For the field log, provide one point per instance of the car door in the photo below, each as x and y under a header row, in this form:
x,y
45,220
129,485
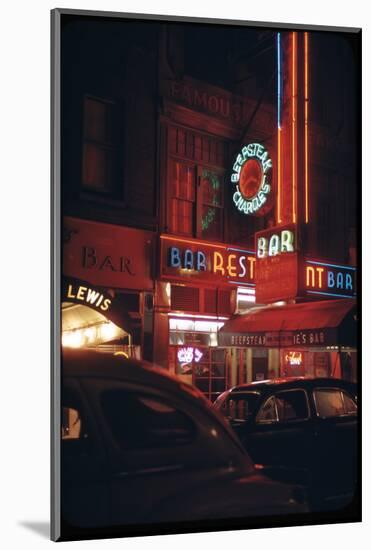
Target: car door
x,y
158,448
238,408
84,481
281,432
335,439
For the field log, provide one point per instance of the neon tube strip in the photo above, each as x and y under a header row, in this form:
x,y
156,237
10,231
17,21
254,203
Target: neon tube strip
x,y
293,123
306,140
331,265
279,86
330,294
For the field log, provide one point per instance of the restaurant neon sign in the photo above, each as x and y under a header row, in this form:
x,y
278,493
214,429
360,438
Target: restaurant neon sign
x,y
251,176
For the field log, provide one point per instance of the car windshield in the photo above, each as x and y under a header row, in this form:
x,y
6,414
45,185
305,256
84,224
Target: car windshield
x,y
240,406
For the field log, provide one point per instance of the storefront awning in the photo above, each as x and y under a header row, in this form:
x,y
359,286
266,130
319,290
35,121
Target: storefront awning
x,y
322,323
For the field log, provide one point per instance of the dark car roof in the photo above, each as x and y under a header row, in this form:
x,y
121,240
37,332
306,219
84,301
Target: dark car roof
x,y
87,363
264,386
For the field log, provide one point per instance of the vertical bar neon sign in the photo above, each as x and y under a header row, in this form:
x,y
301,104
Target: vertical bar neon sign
x,y
279,100
293,123
306,143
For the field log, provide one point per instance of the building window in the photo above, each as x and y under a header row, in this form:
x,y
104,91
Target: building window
x,y
212,207
196,210
183,198
100,170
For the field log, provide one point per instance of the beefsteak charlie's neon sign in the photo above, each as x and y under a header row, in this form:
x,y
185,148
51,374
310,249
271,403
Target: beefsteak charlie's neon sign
x,y
251,176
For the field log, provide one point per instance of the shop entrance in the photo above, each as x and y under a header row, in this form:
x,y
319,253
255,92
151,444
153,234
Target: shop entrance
x,y
83,327
202,366
259,364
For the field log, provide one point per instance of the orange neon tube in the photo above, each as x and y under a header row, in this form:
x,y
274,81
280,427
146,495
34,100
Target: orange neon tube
x,y
279,176
306,137
189,241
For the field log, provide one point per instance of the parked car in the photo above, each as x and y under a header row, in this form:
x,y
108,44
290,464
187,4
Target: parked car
x,y
306,427
138,445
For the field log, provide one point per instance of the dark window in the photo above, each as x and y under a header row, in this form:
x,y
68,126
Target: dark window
x,y
195,210
333,402
100,170
349,404
185,298
240,407
212,207
183,198
76,443
292,405
71,423
268,412
141,421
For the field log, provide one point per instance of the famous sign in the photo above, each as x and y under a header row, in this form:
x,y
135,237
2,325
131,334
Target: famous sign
x,y
251,177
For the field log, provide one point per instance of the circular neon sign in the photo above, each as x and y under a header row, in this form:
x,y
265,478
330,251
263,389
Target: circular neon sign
x,y
251,171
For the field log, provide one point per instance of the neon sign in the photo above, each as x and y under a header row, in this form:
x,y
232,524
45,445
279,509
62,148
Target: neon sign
x,y
329,279
276,244
89,296
231,265
294,358
250,174
189,354
201,261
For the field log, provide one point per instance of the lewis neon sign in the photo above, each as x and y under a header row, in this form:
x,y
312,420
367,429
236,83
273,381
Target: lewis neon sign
x,y
251,176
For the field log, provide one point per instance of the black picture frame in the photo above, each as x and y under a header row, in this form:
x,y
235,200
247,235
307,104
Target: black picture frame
x,y
94,200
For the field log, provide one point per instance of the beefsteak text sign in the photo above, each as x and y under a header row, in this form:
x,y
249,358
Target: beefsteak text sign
x,y
250,175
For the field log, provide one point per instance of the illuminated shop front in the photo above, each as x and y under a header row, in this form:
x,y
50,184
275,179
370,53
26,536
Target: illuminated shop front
x,y
204,284
107,289
313,339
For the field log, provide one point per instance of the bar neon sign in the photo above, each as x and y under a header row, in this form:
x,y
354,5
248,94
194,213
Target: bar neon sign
x,y
294,358
330,279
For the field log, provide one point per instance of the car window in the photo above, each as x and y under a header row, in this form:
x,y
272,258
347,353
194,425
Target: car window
x,y
71,423
240,407
267,412
292,405
349,404
140,421
331,402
